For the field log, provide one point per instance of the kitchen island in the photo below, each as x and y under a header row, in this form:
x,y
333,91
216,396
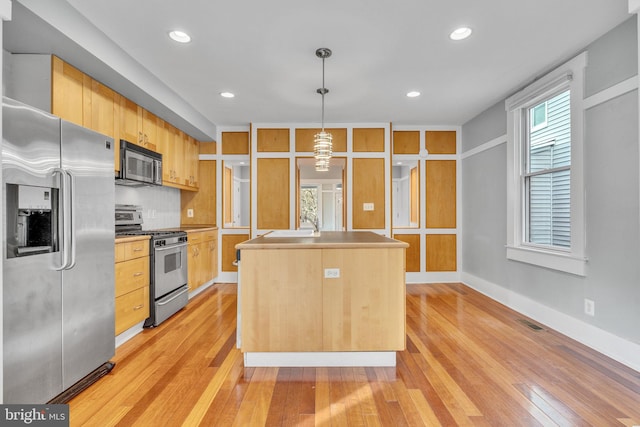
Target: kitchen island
x,y
326,299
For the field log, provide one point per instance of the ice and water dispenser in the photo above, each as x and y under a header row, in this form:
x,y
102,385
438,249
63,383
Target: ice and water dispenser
x,y
31,220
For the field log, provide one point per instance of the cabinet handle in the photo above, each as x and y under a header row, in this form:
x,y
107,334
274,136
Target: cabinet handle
x,y
137,274
137,249
138,307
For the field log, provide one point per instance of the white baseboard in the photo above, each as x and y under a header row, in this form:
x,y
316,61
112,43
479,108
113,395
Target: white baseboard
x,y
433,277
128,334
321,359
619,349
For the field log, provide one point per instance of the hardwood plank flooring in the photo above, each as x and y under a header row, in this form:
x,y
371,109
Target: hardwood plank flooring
x,y
469,361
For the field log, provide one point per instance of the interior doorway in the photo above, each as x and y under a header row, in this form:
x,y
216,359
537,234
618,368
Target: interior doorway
x,y
319,195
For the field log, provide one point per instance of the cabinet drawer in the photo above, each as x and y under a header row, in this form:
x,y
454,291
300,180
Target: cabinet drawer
x,y
194,237
131,250
131,308
131,275
210,235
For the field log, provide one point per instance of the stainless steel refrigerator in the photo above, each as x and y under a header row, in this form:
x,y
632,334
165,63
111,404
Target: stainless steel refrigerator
x,y
58,258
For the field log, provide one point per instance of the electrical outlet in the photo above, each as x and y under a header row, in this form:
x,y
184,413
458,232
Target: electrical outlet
x,y
367,206
190,213
331,273
589,307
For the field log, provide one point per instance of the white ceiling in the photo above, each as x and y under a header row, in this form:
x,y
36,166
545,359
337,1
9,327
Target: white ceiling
x,y
264,52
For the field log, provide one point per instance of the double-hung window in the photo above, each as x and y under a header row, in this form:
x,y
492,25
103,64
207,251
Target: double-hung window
x,y
545,198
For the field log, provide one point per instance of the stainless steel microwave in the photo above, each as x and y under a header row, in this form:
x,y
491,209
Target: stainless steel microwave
x,y
138,165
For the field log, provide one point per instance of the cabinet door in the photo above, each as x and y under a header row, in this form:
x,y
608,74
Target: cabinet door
x,y
203,201
364,308
191,148
166,147
130,121
103,114
281,298
178,157
149,130
192,265
68,91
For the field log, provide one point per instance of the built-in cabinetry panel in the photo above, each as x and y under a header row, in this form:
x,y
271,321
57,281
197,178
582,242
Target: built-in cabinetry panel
x,y
229,242
273,193
441,252
441,193
412,252
431,198
305,139
235,142
273,140
368,193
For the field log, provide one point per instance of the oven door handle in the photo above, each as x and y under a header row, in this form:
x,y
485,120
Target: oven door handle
x,y
166,248
173,297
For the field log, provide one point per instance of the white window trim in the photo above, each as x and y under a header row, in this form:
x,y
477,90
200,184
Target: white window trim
x,y
567,76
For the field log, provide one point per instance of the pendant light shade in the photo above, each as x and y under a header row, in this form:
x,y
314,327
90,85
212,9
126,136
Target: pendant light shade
x,y
322,143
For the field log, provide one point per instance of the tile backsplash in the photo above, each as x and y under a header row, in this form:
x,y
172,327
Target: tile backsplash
x,y
161,205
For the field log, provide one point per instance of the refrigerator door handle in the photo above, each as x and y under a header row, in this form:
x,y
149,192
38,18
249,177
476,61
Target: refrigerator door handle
x,y
62,218
66,215
72,222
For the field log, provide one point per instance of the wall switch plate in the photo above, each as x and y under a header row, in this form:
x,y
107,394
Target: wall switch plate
x,y
190,213
367,206
589,307
331,273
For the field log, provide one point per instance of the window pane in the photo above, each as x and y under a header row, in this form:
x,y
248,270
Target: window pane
x,y
538,115
309,206
550,146
549,209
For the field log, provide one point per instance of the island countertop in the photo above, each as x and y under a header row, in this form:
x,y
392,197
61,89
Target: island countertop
x,y
323,240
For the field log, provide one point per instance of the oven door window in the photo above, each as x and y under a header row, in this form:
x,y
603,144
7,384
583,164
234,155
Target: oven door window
x,y
172,262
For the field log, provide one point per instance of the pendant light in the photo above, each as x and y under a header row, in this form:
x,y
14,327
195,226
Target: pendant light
x,y
322,145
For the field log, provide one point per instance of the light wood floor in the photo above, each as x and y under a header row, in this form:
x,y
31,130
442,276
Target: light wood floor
x,y
469,361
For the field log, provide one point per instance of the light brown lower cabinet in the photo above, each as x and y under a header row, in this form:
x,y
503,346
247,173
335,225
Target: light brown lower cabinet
x,y
132,283
202,257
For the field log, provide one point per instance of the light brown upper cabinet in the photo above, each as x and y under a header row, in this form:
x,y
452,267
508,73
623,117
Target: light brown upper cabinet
x,y
368,194
149,130
273,140
202,203
105,109
273,194
130,121
406,142
305,139
68,85
368,140
235,142
440,141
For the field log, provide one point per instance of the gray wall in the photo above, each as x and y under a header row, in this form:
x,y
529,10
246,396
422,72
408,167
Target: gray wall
x,y
612,201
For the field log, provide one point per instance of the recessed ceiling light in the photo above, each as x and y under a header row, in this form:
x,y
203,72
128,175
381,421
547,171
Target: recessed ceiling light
x,y
227,94
413,94
460,33
180,36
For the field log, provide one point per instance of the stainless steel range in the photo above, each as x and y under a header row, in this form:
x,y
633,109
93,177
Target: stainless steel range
x,y
168,290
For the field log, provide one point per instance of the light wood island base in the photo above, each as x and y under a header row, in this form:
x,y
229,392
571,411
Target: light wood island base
x,y
337,299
